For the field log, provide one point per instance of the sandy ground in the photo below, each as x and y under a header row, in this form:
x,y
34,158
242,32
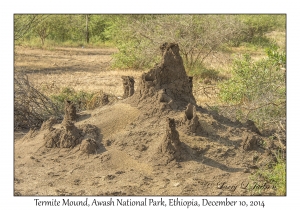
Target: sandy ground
x,y
78,68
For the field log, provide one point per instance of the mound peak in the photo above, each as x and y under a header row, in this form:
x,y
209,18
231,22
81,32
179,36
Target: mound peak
x,y
170,146
166,86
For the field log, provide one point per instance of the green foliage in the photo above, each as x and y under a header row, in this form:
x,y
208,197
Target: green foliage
x,y
80,99
259,42
256,26
275,175
61,28
257,87
279,58
138,37
46,27
23,25
132,52
197,35
98,27
130,55
199,70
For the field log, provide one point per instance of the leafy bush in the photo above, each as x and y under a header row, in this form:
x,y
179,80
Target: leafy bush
x,y
80,98
138,37
256,26
203,72
59,28
257,88
130,55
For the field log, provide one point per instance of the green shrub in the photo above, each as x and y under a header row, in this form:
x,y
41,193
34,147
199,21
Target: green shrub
x,y
138,37
66,30
259,42
80,98
203,72
257,87
258,25
132,54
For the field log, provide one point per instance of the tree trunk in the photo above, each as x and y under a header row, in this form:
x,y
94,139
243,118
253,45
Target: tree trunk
x,y
87,36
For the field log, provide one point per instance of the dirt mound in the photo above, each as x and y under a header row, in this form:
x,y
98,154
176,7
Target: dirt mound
x,y
48,124
70,111
251,141
69,136
128,86
166,86
31,134
170,146
89,131
89,146
66,137
190,121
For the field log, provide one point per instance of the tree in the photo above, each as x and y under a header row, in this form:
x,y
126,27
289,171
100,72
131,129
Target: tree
x,y
258,25
43,30
23,24
87,37
139,36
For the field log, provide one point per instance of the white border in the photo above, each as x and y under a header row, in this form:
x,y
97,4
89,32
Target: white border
x,y
8,201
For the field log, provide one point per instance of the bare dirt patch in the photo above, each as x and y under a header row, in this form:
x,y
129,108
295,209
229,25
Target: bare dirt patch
x,y
156,142
77,68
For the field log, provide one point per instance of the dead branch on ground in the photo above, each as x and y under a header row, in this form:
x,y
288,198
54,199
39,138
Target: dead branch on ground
x,y
31,107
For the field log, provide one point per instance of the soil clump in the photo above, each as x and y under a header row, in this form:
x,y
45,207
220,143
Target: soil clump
x,y
70,111
48,124
89,146
128,86
170,146
69,135
190,120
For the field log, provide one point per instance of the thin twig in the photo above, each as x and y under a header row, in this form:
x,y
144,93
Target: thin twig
x,y
282,126
280,142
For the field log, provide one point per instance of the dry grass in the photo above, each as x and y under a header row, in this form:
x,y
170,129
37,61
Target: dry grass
x,y
279,37
79,68
109,82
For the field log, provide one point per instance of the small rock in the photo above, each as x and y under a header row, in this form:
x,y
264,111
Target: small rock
x,y
77,181
141,147
109,177
176,184
120,172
